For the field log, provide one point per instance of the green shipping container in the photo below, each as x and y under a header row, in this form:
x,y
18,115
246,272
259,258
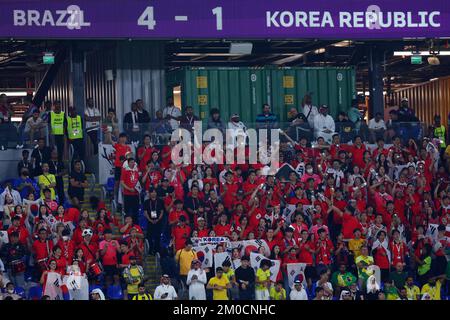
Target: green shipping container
x,y
245,90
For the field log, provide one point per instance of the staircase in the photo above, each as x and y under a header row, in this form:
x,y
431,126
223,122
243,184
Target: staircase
x,y
151,268
152,273
95,189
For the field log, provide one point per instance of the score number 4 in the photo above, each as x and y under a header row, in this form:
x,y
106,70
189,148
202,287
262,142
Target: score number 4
x,y
147,18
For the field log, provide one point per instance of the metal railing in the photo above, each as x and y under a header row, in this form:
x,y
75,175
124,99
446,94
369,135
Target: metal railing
x,y
161,132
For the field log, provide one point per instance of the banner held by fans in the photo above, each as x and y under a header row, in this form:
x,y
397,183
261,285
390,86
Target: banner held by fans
x,y
205,255
255,261
294,271
220,258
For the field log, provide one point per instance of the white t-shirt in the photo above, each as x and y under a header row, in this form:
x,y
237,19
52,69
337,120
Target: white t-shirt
x,y
92,112
377,125
162,289
310,112
174,112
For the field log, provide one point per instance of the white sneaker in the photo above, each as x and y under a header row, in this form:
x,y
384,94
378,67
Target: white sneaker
x,y
19,146
3,148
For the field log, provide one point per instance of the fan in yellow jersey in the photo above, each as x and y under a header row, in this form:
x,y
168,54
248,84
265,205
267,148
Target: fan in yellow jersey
x,y
142,295
277,292
432,288
263,280
220,285
412,291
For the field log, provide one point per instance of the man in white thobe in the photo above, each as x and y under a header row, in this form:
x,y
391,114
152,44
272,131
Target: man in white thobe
x,y
196,280
324,124
165,291
298,292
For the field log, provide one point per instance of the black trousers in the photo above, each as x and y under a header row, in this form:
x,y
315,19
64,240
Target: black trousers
x,y
59,142
60,189
131,207
154,236
93,135
8,132
78,149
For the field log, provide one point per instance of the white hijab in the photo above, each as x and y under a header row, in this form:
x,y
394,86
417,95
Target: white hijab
x,y
372,284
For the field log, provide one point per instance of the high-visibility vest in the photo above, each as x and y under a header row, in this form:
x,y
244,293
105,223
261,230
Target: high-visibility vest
x,y
439,132
74,128
57,123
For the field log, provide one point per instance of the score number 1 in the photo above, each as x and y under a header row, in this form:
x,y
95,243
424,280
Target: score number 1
x,y
218,13
147,18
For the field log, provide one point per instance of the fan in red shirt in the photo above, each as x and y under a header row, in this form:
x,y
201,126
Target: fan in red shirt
x,y
89,247
349,221
72,214
144,153
273,238
324,249
128,225
382,255
121,150
306,249
290,257
129,180
223,228
20,229
357,152
180,233
379,150
299,224
136,244
42,248
61,261
177,213
202,229
228,190
67,245
398,249
255,214
250,184
288,240
151,176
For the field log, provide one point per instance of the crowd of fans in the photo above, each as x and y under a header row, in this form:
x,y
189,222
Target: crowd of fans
x,y
369,221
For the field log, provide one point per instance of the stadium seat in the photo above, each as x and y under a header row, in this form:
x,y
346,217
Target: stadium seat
x,y
109,186
143,222
107,191
21,292
35,293
115,292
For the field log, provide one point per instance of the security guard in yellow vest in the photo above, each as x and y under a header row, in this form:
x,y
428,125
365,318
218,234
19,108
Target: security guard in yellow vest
x,y
439,131
56,123
75,133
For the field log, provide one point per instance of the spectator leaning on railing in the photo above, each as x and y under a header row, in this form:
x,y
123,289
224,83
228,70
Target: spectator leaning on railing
x,y
266,119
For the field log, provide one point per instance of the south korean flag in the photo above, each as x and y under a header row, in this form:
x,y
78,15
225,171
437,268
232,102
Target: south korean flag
x,y
205,255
